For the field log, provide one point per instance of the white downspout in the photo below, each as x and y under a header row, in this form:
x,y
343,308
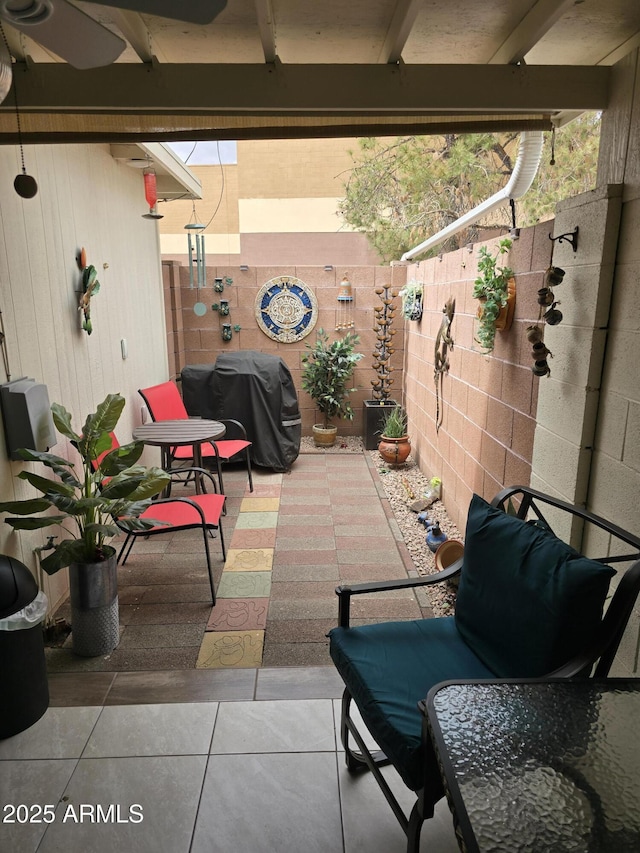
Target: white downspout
x,y
524,171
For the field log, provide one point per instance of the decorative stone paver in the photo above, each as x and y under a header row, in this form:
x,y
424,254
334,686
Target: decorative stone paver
x,y
244,585
265,538
260,504
249,560
256,520
239,614
232,649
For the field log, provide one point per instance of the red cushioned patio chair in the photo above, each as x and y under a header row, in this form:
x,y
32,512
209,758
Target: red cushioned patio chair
x,y
165,403
173,514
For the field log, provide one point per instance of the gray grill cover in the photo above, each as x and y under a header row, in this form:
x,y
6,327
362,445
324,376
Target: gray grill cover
x,y
255,389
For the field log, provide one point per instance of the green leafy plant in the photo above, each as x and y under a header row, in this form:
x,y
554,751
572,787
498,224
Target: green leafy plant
x,y
394,423
109,486
328,368
491,287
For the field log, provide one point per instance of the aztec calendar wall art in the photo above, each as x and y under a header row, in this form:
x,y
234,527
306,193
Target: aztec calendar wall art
x,y
286,309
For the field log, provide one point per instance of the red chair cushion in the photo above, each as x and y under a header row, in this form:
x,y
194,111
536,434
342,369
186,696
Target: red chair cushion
x,y
227,448
178,514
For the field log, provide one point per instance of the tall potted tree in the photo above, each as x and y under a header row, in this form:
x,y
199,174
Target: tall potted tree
x,y
108,486
327,371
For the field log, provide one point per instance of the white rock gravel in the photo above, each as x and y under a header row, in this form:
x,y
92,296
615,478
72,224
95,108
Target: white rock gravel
x,y
402,486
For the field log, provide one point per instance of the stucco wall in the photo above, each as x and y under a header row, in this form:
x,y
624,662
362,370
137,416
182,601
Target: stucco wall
x,y
277,205
85,199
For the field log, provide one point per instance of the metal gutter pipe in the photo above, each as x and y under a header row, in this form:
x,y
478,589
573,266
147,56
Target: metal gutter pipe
x,y
524,171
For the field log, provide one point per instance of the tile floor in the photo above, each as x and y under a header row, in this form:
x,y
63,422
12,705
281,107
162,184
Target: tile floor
x,y
176,774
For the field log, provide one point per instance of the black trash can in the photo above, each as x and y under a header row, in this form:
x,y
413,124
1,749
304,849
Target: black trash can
x,y
23,671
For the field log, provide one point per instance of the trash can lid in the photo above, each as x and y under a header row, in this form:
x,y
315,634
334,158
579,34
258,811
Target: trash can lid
x,y
18,587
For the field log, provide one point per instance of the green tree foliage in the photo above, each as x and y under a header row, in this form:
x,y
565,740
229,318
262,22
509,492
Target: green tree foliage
x,y
401,191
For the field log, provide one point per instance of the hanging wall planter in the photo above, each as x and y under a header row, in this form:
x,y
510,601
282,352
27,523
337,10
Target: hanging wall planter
x,y
412,295
495,287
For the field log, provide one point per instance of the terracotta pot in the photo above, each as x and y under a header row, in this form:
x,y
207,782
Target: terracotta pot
x,y
394,451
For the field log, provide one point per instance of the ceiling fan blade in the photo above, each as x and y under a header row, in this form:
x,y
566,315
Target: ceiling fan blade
x,y
65,30
5,71
191,11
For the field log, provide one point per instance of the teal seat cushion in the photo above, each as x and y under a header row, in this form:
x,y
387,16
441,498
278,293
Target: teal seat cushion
x,y
527,602
389,668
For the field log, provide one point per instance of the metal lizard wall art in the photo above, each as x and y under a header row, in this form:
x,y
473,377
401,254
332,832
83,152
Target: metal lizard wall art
x,y
444,341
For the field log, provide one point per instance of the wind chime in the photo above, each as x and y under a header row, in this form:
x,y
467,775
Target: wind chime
x,y
195,244
151,193
344,319
384,343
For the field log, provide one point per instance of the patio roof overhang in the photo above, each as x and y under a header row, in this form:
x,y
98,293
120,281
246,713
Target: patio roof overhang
x,y
123,102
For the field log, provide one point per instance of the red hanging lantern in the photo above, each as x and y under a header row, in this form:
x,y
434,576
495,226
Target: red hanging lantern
x,y
151,193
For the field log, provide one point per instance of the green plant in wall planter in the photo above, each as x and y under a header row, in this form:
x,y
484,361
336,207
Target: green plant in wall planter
x,y
412,294
328,367
495,288
109,485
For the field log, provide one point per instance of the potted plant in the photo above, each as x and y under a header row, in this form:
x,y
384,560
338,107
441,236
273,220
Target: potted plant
x,y
328,367
394,446
108,486
495,288
411,295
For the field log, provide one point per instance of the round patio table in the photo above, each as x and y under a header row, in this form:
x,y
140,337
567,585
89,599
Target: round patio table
x,y
193,432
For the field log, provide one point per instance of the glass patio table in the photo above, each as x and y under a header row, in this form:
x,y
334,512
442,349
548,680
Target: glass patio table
x,y
540,766
193,432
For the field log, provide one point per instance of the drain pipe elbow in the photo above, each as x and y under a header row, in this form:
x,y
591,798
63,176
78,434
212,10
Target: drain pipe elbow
x,y
524,171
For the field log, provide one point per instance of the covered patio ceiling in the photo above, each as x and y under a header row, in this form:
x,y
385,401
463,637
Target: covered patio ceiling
x,y
295,68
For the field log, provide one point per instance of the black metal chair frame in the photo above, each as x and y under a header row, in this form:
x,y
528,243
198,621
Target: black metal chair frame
x,y
594,661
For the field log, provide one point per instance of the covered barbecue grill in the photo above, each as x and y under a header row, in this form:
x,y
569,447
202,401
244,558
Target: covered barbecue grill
x,y
256,389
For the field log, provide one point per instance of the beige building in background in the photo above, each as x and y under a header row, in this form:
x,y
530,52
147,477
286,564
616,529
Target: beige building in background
x,y
277,205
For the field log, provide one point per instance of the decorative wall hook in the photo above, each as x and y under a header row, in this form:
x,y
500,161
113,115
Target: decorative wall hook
x,y
569,237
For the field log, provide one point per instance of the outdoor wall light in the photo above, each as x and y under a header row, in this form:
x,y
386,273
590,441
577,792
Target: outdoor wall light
x,y
328,267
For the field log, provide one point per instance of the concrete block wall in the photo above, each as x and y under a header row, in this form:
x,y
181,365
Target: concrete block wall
x,y
569,402
488,402
197,339
615,470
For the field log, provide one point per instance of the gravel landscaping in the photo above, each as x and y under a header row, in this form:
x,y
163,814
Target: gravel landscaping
x,y
403,486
